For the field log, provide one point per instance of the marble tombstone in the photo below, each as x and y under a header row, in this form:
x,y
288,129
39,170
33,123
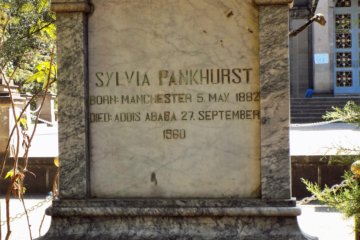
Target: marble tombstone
x,y
173,120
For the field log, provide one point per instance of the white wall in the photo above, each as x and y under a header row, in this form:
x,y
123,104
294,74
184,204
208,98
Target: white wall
x,y
323,44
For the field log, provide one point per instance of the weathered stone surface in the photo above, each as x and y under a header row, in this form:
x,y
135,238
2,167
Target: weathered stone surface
x,y
274,78
191,67
271,215
176,219
72,95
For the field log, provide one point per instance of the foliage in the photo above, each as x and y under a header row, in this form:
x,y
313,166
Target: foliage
x,y
27,46
346,160
350,113
346,199
27,33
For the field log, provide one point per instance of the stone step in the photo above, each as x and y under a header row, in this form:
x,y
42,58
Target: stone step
x,y
305,120
306,110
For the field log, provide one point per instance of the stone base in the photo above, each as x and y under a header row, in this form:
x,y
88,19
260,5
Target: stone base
x,y
175,219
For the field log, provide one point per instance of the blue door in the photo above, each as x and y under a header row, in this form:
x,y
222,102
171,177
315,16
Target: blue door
x,y
347,25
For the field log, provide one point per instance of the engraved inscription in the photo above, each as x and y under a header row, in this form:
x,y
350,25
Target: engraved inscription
x,y
174,94
166,79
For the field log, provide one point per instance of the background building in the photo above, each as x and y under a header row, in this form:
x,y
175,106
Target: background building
x,y
324,59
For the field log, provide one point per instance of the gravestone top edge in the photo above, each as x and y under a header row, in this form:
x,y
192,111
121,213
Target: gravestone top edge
x,y
71,7
273,2
81,6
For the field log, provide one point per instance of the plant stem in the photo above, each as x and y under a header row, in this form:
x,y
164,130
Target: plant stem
x,y
357,227
27,216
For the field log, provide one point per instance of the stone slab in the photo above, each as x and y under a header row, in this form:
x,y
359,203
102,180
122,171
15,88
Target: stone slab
x,y
175,219
174,99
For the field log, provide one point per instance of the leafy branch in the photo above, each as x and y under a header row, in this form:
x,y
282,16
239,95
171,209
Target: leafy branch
x,y
349,113
27,58
345,196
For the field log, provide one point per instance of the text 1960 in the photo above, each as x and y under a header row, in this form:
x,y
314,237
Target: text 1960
x,y
174,134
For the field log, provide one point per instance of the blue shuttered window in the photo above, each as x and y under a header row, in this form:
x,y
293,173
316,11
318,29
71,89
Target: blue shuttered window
x,y
346,67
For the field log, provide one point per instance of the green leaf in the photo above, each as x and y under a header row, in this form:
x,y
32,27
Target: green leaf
x,y
37,77
56,161
9,174
42,5
50,30
27,7
23,123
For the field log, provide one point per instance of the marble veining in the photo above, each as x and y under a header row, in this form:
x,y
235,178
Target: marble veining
x,y
77,216
274,74
175,219
72,107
